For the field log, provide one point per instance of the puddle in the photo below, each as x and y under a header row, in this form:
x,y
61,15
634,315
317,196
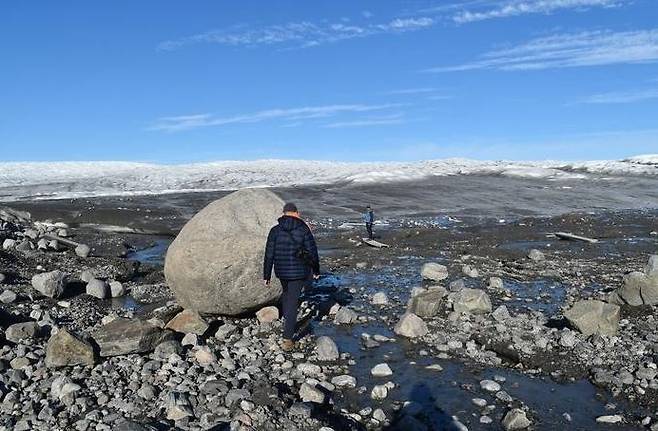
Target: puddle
x,y
546,296
153,255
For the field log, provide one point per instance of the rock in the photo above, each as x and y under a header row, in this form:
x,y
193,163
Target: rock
x,y
178,406
410,326
311,394
24,246
205,356
98,288
381,370
225,330
610,419
516,419
345,316
594,317
51,284
21,331
427,303
490,385
83,250
379,298
632,286
215,263
167,348
651,270
379,415
7,297
8,244
470,271
3,278
471,301
267,314
125,336
344,381
379,392
188,322
500,314
457,285
496,283
116,289
536,255
434,272
326,349
65,349
42,244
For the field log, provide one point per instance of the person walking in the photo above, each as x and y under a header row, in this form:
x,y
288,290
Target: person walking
x,y
292,251
369,219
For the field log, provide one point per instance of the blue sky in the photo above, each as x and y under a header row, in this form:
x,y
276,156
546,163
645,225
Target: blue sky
x,y
174,81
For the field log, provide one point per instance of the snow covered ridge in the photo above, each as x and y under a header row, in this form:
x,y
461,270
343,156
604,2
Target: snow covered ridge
x,y
79,179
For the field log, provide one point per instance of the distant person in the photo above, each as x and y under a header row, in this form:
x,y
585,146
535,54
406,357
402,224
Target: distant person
x,y
291,249
369,219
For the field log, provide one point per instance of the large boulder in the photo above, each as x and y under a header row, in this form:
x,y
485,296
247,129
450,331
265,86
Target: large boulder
x,y
639,288
471,301
594,317
215,264
65,349
125,336
427,303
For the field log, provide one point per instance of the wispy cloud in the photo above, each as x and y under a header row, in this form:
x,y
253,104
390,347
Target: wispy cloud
x,y
503,9
186,122
621,97
411,91
299,34
592,48
371,121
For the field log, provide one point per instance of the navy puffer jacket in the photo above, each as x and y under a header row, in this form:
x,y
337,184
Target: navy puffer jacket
x,y
281,250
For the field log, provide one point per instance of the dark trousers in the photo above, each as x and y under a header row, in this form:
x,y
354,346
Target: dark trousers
x,y
292,290
369,229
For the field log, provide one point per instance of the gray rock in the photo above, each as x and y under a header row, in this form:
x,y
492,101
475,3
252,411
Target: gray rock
x,y
2,278
98,288
631,288
326,349
51,284
516,419
457,285
267,314
24,246
344,381
410,326
471,301
213,266
490,385
178,406
188,322
427,303
381,370
379,392
83,250
65,349
536,255
470,271
434,272
379,298
21,331
345,316
167,348
651,270
42,244
125,336
594,317
8,244
7,297
500,314
496,283
311,394
116,289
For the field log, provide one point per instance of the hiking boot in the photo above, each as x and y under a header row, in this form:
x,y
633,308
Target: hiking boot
x,y
287,345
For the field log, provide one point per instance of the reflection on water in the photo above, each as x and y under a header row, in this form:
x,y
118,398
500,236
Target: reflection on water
x,y
153,255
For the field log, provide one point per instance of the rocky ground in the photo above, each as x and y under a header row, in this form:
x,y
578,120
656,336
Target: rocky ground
x,y
458,325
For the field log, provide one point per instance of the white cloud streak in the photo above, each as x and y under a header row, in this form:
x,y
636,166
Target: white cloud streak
x,y
299,34
411,91
621,97
506,9
187,122
366,122
592,48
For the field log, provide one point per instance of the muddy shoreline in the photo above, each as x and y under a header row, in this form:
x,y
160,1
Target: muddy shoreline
x,y
561,385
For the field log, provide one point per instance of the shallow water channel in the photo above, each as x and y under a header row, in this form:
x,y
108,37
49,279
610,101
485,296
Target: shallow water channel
x,y
436,396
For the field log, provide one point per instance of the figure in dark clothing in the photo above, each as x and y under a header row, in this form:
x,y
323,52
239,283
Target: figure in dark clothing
x,y
369,219
292,251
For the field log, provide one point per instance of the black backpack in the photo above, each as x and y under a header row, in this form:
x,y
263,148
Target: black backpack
x,y
301,253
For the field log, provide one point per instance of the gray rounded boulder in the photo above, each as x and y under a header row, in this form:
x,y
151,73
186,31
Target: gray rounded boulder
x,y
215,264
